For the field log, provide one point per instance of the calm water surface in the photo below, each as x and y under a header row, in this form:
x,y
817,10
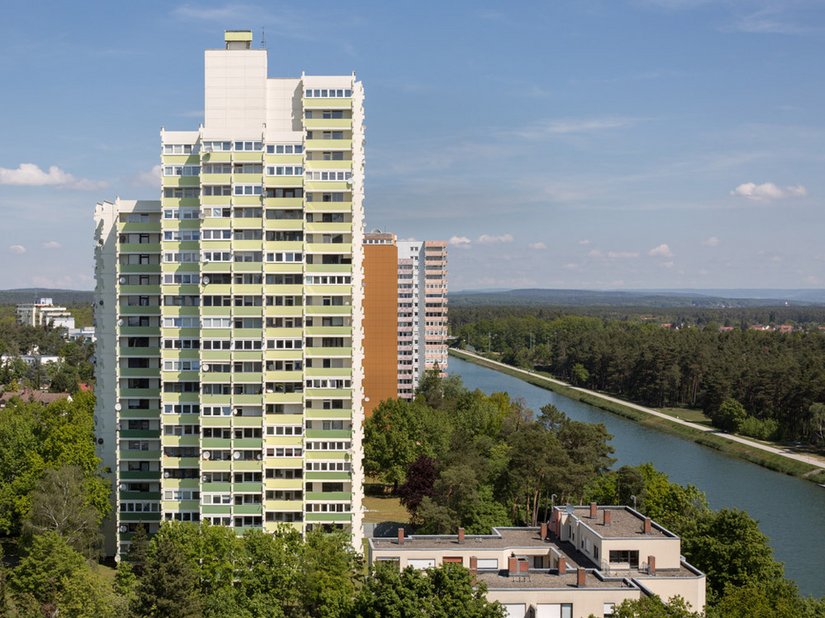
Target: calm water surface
x,y
790,511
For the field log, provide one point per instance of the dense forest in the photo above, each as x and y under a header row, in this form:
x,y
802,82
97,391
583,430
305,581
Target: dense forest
x,y
463,458
768,384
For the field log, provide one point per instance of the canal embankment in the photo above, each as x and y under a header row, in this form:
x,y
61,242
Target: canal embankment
x,y
773,457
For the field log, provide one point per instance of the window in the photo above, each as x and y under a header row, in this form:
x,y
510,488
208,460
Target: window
x,y
324,93
218,234
180,213
217,146
180,148
182,192
284,149
284,170
629,557
246,190
181,170
181,408
217,190
217,168
337,175
248,146
284,257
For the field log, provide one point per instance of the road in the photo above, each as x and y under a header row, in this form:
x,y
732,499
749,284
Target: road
x,y
808,459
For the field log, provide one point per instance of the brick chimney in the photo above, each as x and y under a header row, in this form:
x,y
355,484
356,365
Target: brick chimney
x,y
461,535
651,565
512,566
401,536
581,577
473,564
646,526
594,510
555,522
543,531
608,517
562,566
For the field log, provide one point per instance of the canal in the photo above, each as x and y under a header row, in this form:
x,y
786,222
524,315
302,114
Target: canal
x,y
789,510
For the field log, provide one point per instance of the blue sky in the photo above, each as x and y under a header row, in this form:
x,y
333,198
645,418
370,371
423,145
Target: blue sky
x,y
573,144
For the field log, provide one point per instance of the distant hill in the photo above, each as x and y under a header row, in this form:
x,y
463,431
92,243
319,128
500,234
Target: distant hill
x,y
639,298
63,298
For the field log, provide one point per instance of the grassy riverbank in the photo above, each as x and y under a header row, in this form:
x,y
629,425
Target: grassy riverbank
x,y
768,460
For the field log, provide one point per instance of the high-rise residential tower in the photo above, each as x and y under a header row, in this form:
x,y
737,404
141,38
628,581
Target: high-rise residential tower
x,y
418,285
230,311
422,311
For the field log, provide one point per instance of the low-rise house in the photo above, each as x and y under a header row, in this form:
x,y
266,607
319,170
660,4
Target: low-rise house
x,y
27,395
584,562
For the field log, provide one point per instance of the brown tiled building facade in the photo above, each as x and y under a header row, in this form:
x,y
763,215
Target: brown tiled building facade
x,y
380,319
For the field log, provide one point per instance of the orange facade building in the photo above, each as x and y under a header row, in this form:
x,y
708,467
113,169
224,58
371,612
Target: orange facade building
x,y
380,319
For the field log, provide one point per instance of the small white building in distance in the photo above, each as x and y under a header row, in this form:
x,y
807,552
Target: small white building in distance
x,y
44,312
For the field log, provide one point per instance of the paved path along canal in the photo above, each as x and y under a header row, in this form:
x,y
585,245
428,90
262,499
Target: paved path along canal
x,y
790,511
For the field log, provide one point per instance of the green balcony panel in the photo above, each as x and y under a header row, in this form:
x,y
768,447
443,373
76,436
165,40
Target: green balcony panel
x,y
127,269
248,509
216,509
140,455
148,413
328,496
140,475
328,434
247,443
140,433
328,517
140,495
248,421
125,518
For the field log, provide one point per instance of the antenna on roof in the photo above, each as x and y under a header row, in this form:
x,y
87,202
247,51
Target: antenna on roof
x,y
263,38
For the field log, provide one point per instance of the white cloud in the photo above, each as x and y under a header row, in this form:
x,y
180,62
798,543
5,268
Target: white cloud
x,y
661,251
584,242
220,14
713,241
613,255
668,264
488,239
52,244
621,255
149,178
460,242
537,245
18,249
768,191
31,175
572,126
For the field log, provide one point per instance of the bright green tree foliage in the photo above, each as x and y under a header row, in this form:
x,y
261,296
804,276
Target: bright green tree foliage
x,y
443,592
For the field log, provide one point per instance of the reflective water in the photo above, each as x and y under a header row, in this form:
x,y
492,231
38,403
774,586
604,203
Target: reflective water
x,y
789,510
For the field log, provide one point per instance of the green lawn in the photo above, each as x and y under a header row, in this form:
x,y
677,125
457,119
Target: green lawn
x,y
379,509
686,414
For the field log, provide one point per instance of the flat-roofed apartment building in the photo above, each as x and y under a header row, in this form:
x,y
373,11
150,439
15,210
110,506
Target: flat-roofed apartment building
x,y
420,289
229,374
587,560
44,313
